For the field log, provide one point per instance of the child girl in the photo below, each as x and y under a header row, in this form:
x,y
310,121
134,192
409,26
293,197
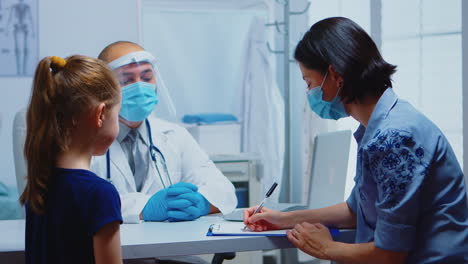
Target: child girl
x,y
72,215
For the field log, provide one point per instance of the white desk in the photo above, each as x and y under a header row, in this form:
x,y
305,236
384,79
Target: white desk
x,y
153,239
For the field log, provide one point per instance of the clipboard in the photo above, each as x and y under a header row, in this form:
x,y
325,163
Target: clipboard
x,y
237,229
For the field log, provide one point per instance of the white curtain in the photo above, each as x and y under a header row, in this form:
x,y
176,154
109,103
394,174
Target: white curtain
x,y
199,49
262,108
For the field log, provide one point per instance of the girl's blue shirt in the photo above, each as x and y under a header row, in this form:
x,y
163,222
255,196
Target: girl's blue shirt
x,y
78,205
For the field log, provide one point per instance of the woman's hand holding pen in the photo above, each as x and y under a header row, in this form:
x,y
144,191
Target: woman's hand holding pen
x,y
267,219
313,239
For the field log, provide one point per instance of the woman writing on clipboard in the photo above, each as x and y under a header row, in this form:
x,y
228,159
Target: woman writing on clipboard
x,y
409,202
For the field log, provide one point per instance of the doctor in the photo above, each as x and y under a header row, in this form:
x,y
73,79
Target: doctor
x,y
159,170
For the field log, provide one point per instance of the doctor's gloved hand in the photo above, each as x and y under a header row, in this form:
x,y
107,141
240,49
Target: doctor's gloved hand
x,y
187,207
156,209
181,188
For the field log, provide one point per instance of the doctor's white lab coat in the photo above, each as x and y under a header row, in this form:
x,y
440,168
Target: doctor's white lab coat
x,y
186,162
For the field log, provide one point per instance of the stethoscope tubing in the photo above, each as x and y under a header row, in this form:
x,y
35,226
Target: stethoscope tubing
x,y
153,151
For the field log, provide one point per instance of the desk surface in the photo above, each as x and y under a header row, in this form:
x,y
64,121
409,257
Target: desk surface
x,y
244,156
156,239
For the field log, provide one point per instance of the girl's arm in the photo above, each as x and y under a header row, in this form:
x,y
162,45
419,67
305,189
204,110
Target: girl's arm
x,y
106,243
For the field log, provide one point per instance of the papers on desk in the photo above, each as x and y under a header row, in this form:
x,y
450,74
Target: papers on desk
x,y
237,229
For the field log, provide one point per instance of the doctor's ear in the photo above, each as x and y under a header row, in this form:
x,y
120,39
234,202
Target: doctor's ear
x,y
100,115
335,76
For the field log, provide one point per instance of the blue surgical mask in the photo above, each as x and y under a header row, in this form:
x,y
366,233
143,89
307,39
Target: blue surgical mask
x,y
138,101
327,110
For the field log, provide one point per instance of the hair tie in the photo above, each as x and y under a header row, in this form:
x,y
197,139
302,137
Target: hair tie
x,y
57,62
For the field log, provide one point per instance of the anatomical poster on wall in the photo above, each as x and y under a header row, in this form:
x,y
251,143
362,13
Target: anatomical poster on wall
x,y
19,42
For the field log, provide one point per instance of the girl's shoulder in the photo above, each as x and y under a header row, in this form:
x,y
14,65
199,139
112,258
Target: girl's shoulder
x,y
83,182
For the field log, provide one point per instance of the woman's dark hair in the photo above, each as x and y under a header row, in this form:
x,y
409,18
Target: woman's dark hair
x,y
343,44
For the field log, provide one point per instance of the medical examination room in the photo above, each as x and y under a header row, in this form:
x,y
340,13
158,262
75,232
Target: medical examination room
x,y
233,131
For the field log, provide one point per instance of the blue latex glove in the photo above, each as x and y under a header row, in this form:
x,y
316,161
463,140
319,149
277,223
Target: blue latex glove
x,y
187,207
181,188
156,209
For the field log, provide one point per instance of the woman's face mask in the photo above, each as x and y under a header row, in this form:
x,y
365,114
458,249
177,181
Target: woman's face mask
x,y
328,110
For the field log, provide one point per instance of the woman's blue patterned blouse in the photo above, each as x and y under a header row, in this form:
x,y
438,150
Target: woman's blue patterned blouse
x,y
409,192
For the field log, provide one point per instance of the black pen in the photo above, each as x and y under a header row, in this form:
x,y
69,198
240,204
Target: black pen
x,y
272,188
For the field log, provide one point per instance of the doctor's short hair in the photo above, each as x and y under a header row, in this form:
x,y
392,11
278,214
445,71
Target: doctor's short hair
x,y
63,90
104,54
343,44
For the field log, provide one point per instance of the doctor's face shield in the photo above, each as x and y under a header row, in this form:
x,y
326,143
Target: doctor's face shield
x,y
143,88
136,72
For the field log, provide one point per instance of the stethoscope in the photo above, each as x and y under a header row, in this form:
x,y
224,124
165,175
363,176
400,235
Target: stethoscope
x,y
153,151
